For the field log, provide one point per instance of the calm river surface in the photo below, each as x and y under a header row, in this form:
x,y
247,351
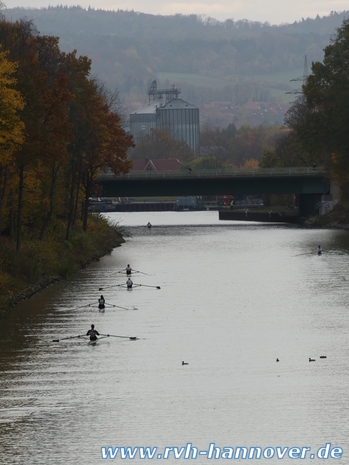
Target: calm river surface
x,y
234,297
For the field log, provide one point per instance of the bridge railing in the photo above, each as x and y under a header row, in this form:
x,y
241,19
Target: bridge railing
x,y
217,173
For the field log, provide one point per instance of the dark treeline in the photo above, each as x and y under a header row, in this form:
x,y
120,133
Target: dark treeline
x,y
128,49
58,129
233,147
229,147
176,27
318,121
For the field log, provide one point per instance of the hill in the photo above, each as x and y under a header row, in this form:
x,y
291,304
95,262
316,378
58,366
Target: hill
x,y
234,71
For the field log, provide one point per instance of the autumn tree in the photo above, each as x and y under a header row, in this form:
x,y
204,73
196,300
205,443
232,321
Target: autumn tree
x,y
19,39
57,134
56,129
104,142
11,126
71,133
43,84
159,145
77,69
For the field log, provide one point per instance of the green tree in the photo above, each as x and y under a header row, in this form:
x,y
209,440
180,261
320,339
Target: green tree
x,y
324,131
288,151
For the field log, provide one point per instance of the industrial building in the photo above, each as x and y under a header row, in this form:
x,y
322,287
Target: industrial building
x,y
167,112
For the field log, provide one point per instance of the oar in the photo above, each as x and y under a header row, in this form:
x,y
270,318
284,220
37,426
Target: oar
x,y
107,287
145,285
132,271
70,337
125,308
113,285
307,253
133,338
117,306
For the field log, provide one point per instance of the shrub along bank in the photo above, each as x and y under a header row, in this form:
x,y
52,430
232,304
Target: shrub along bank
x,y
338,218
38,263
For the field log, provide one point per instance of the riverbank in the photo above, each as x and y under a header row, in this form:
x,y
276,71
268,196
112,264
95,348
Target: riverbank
x,y
38,264
338,218
261,216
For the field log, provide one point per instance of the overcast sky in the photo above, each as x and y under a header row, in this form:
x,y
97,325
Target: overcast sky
x,y
272,11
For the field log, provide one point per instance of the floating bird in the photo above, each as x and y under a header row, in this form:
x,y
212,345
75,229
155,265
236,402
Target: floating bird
x,y
277,360
323,356
311,359
184,363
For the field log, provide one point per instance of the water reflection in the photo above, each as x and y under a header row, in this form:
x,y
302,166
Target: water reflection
x,y
233,298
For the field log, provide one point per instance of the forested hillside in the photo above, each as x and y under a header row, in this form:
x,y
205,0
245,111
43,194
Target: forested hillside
x,y
241,72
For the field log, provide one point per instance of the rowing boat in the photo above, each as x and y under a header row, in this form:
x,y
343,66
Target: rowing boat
x,y
92,342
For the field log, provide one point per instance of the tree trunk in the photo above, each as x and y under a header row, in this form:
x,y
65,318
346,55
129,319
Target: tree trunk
x,y
2,194
85,211
20,200
71,204
86,203
52,191
77,198
12,215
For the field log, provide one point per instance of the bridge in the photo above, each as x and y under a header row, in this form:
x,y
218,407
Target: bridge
x,y
308,183
216,182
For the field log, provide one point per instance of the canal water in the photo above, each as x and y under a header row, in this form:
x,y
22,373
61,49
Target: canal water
x,y
233,298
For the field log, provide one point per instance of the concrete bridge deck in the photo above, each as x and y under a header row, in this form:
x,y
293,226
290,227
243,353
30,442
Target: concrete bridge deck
x,y
216,182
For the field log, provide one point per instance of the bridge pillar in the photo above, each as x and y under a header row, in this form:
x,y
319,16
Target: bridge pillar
x,y
307,204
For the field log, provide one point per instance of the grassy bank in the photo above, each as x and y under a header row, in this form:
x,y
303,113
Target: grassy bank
x,y
40,263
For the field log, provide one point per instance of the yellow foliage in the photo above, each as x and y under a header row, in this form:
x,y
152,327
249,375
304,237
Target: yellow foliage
x,y
250,164
11,102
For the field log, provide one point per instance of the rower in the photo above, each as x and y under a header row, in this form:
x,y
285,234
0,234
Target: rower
x,y
128,270
319,250
93,333
129,283
101,303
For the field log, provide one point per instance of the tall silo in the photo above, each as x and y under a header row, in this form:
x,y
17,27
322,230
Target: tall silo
x,y
143,120
180,120
166,112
